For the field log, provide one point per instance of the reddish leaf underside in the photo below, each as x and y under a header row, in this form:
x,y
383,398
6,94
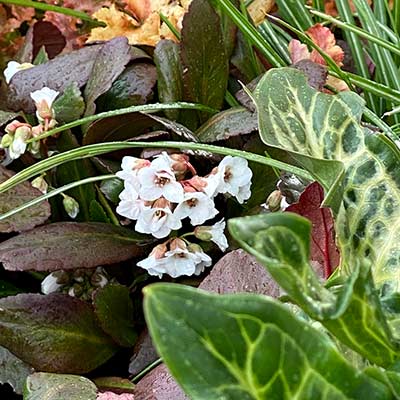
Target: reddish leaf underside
x,y
323,246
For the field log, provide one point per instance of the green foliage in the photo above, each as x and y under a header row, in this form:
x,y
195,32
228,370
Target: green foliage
x,y
252,348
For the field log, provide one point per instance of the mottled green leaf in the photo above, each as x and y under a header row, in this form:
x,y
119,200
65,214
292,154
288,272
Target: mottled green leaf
x,y
252,347
351,311
53,333
28,218
133,87
6,116
45,386
169,74
114,309
13,370
320,128
229,123
70,245
70,105
205,63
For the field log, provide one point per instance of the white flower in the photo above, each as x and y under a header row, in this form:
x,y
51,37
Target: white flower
x,y
44,99
130,168
13,67
130,205
162,161
244,193
233,173
40,184
158,221
156,183
49,284
179,260
201,259
17,148
197,206
214,233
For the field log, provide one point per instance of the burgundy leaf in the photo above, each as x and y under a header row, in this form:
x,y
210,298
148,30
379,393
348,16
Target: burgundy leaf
x,y
70,245
48,35
323,246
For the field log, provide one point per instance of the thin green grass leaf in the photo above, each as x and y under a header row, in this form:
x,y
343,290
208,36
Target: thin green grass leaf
x,y
102,148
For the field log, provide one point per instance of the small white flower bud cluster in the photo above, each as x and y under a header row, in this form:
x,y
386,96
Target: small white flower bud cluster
x,y
14,141
158,196
78,283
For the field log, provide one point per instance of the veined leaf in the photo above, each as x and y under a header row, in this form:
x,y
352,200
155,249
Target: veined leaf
x,y
252,348
317,127
352,311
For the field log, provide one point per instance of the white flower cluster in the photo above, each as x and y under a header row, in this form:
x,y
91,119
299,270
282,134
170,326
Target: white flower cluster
x,y
158,197
18,133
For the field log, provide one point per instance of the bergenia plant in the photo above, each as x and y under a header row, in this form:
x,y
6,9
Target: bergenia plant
x,y
161,194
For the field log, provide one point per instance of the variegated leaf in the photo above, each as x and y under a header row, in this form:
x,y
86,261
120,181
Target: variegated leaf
x,y
317,127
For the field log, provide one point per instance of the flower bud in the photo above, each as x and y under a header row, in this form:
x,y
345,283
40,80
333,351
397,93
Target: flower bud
x,y
274,201
40,183
14,125
71,206
203,233
6,141
23,133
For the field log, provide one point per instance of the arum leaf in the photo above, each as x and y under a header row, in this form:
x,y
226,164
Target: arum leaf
x,y
13,370
41,385
114,309
133,87
203,55
352,312
253,347
115,384
169,74
53,333
69,245
323,247
317,127
109,63
233,122
28,218
70,105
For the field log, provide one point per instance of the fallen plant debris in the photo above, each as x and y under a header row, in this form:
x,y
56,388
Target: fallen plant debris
x,y
199,199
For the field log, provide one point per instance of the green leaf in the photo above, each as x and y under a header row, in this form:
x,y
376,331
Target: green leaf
x,y
8,289
70,105
44,386
248,347
6,116
169,74
112,189
203,55
97,213
53,333
114,309
13,370
319,128
41,57
114,384
233,122
70,245
21,194
352,311
133,87
295,13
